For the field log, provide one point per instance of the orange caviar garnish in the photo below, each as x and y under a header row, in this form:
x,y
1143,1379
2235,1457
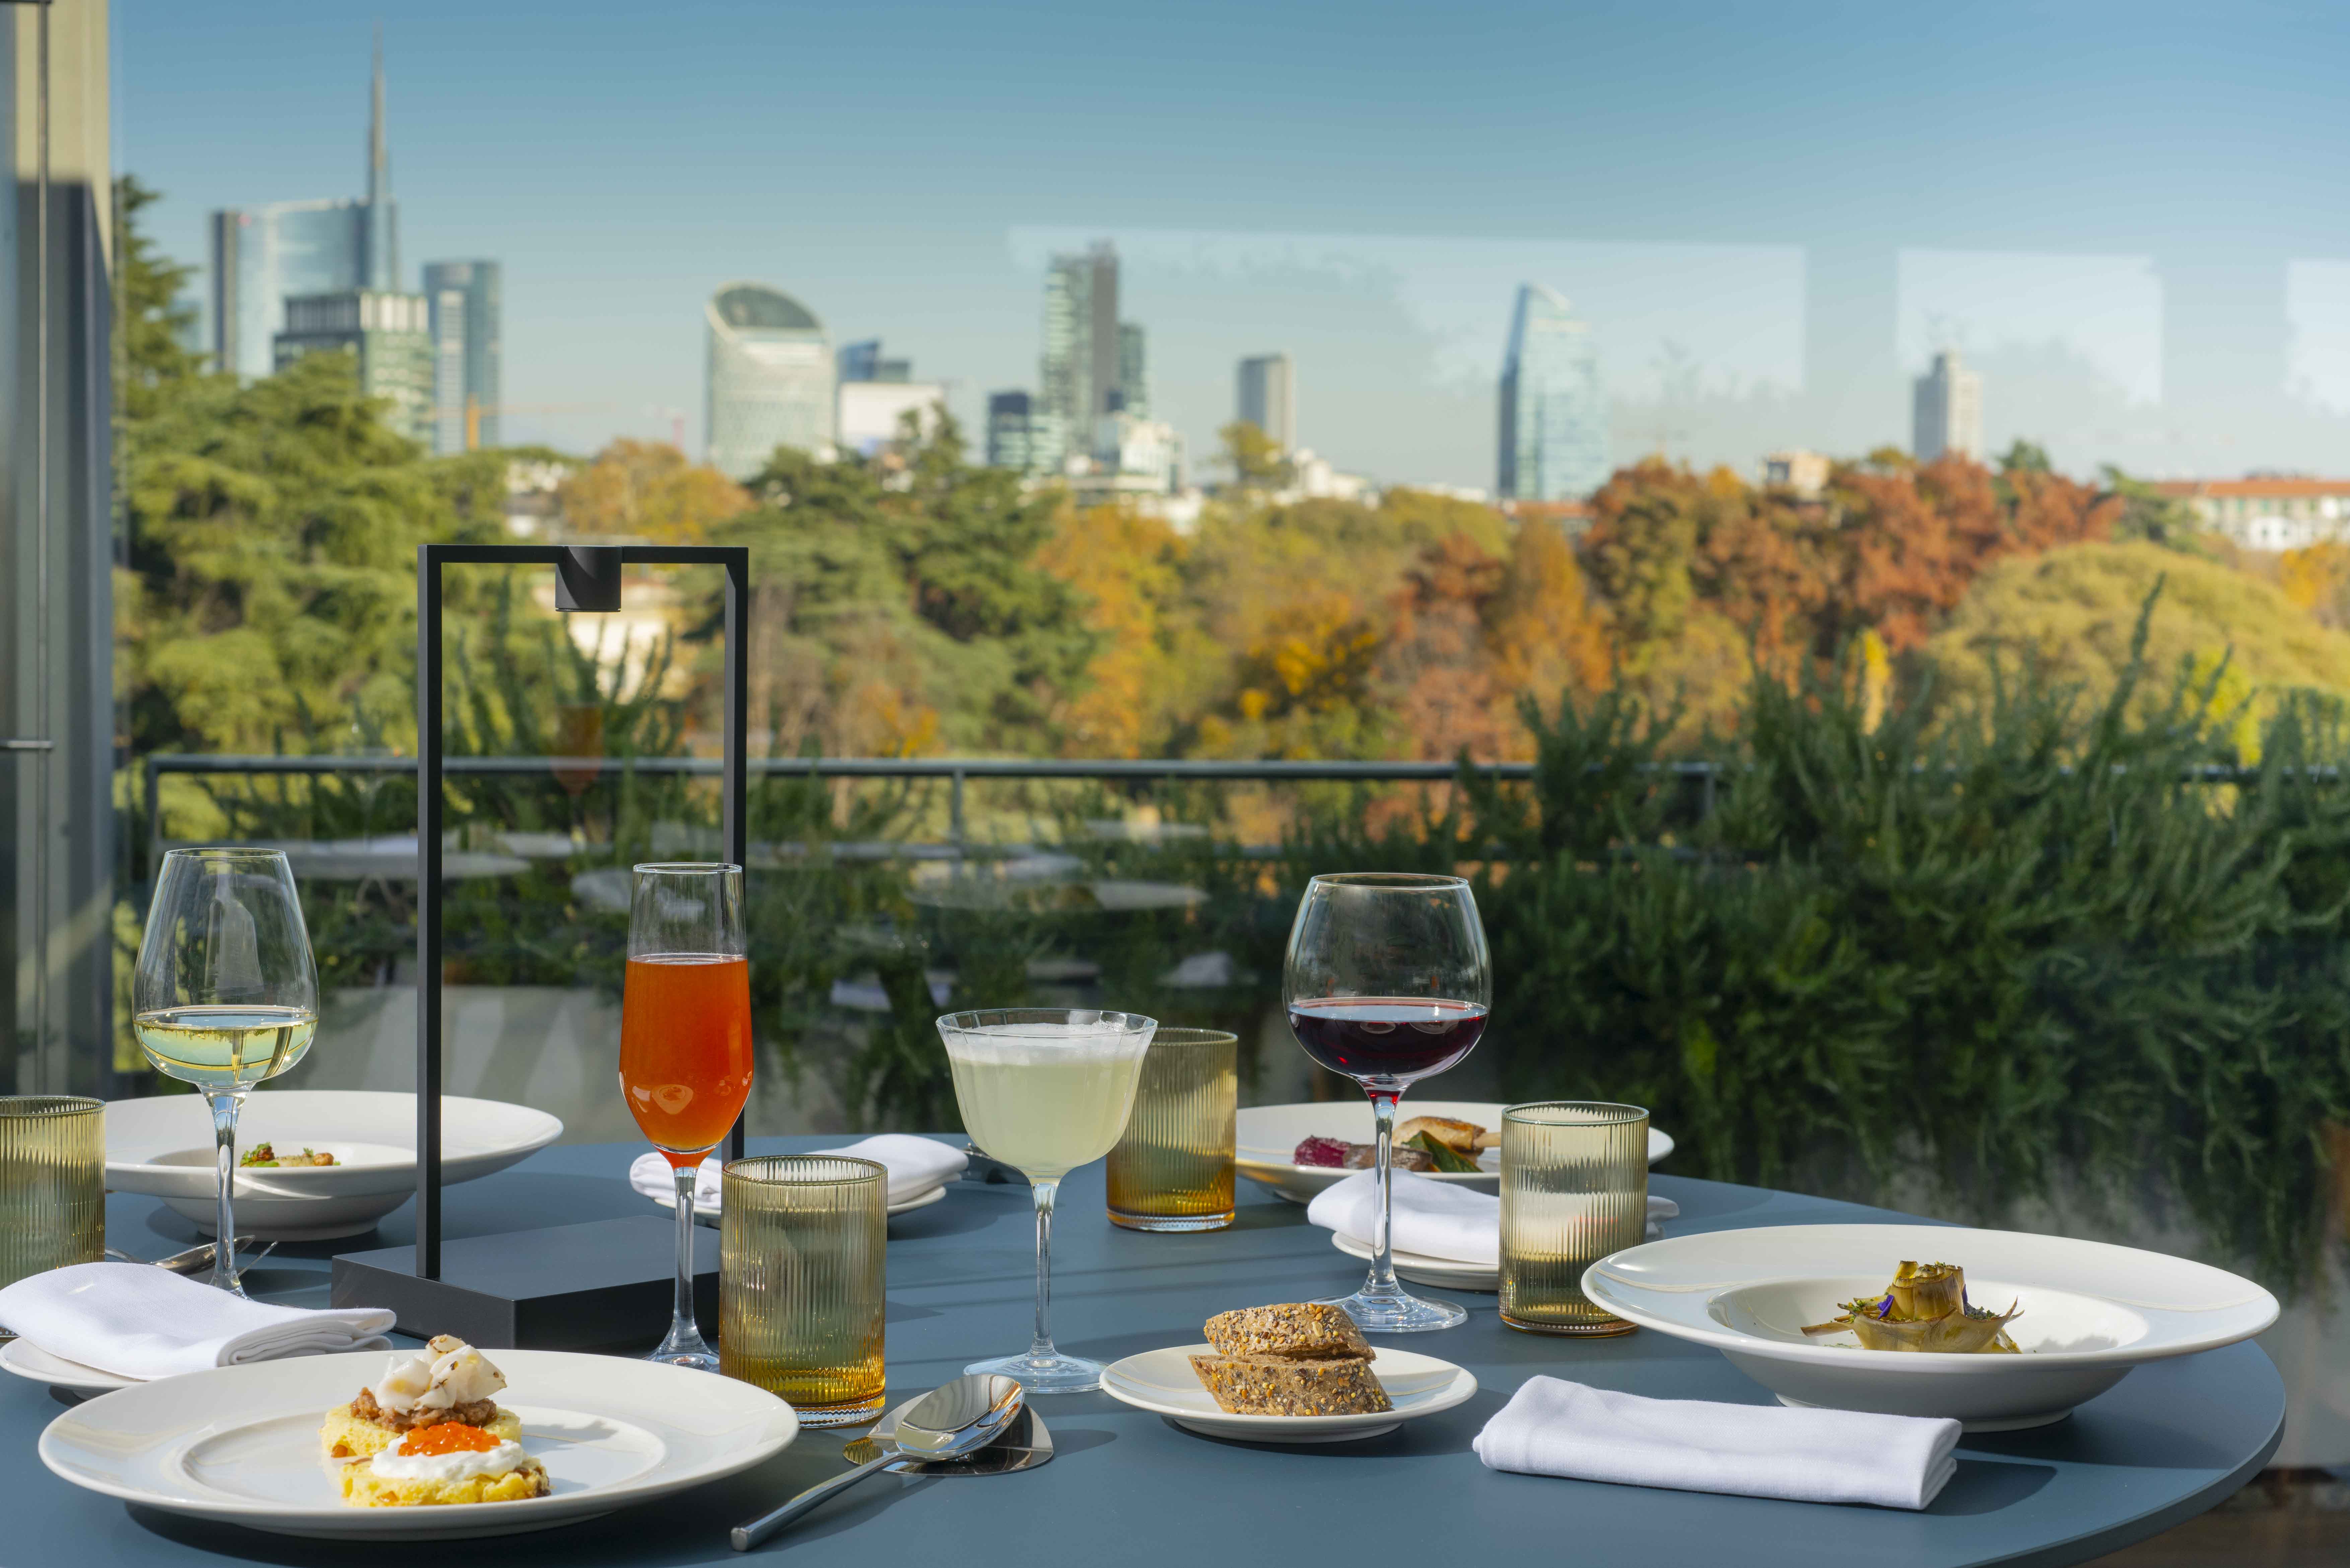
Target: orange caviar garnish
x,y
448,1438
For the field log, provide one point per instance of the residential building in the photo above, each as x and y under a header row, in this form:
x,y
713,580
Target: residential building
x,y
2269,511
1133,454
1805,472
1311,478
263,257
863,362
389,333
1009,416
1947,411
1267,398
770,379
871,414
466,304
1554,408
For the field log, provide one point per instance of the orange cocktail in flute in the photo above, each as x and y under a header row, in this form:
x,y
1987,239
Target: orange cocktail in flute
x,y
685,1049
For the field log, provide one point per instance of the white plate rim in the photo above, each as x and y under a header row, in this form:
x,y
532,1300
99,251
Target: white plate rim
x,y
18,1357
1604,1282
708,1212
448,1520
151,1177
1461,1388
1251,1160
1444,1274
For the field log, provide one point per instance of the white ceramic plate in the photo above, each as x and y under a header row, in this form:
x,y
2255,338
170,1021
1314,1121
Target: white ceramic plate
x,y
162,1147
707,1213
1444,1274
1268,1135
2091,1312
1162,1381
25,1359
241,1443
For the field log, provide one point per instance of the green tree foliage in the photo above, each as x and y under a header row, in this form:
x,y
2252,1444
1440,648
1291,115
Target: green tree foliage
x,y
149,323
1254,459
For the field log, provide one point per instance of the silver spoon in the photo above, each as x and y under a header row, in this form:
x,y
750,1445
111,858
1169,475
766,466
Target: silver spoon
x,y
949,1421
195,1258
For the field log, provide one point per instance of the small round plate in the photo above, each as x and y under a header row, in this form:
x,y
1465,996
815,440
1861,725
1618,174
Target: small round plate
x,y
240,1444
25,1359
1162,1382
1444,1274
707,1213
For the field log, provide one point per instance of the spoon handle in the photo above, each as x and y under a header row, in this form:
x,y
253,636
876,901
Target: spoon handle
x,y
746,1536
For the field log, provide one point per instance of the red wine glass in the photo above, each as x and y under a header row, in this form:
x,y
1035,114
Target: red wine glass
x,y
1388,982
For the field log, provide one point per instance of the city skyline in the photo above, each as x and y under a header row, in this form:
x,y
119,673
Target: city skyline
x,y
2194,316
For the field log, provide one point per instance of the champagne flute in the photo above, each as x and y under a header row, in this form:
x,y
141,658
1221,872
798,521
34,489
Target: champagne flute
x,y
685,1043
1388,982
225,994
1045,1090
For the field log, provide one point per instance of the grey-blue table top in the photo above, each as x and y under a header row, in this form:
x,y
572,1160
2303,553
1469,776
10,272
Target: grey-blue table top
x,y
2169,1441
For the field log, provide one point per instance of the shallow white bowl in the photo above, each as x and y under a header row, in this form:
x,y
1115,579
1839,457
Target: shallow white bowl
x,y
1163,1382
241,1443
2091,1312
162,1147
1268,1135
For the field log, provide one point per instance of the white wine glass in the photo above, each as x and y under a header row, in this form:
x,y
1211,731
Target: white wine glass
x,y
1389,981
225,994
1046,1090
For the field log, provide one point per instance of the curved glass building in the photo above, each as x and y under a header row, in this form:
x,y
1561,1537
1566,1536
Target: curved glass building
x,y
1554,407
770,379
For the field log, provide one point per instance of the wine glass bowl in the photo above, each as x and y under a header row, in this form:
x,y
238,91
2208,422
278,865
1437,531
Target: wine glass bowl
x,y
226,993
1045,1090
1387,981
685,1042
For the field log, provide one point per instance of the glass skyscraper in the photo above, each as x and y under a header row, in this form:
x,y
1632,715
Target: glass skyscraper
x,y
389,335
262,256
465,301
1554,407
1266,390
770,379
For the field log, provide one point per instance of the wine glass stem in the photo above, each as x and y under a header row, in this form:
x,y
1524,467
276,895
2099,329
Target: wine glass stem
x,y
1383,1114
1043,1192
224,1109
682,1329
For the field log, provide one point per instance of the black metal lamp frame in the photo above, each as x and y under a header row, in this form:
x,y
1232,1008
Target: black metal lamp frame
x,y
587,577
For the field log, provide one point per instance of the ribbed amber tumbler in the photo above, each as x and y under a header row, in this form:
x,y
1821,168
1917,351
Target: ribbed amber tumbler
x,y
801,1238
1172,1171
1574,1188
52,1183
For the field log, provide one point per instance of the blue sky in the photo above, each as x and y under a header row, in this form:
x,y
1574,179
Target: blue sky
x,y
2133,218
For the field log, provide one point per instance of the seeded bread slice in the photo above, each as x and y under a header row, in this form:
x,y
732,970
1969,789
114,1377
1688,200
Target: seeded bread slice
x,y
1295,1329
1286,1386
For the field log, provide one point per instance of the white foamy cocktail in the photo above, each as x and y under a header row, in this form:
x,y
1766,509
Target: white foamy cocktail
x,y
1045,1098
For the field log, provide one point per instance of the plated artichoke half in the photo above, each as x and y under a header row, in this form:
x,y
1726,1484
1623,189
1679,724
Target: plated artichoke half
x,y
1925,1308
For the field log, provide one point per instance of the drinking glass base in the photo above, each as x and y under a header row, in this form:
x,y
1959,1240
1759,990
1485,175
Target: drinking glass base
x,y
855,1413
1588,1328
1172,1222
1396,1310
688,1350
1050,1374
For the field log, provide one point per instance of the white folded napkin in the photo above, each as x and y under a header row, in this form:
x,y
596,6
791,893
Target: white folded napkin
x,y
1553,1428
1446,1219
135,1320
916,1166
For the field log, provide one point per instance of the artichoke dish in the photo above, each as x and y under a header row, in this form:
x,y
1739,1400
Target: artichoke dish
x,y
1925,1308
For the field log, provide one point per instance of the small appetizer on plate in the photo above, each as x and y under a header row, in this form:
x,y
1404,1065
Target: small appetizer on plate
x,y
446,1382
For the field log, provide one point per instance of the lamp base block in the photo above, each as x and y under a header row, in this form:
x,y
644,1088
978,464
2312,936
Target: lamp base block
x,y
567,1287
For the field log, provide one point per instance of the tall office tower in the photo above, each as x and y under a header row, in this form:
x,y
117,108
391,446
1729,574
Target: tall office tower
x,y
864,362
770,379
1268,397
479,288
1009,415
445,323
1133,371
1945,410
1080,364
263,257
389,333
1554,408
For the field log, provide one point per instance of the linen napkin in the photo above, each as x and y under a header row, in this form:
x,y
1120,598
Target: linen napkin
x,y
915,1164
1553,1427
1444,1220
135,1320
